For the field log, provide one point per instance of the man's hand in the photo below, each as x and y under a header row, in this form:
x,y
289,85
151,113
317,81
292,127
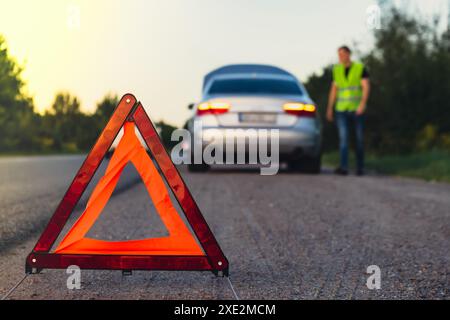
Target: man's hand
x,y
331,101
361,109
330,114
365,84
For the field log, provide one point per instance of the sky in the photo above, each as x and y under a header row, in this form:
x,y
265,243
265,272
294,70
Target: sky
x,y
160,50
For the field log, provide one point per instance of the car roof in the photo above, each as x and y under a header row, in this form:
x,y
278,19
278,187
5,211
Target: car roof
x,y
235,69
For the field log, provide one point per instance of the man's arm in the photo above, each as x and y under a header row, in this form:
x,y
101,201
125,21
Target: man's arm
x,y
365,84
331,101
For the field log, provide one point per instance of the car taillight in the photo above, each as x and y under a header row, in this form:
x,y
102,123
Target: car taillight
x,y
212,108
300,109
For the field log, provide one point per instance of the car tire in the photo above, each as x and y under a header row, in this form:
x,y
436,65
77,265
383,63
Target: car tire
x,y
313,165
307,165
198,167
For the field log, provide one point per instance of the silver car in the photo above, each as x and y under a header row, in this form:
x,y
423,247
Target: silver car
x,y
261,96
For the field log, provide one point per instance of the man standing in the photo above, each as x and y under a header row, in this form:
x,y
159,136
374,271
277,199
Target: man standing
x,y
350,91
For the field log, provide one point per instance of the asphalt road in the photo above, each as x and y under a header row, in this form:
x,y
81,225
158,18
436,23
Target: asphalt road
x,y
289,236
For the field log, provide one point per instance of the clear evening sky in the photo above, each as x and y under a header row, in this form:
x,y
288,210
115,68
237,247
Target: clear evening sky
x,y
159,50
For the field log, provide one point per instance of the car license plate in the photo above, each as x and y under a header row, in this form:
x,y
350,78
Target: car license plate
x,y
258,117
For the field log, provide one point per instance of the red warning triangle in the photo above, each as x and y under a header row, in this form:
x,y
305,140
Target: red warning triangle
x,y
178,251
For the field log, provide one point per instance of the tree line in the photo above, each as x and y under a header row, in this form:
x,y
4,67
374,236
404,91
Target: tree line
x,y
62,128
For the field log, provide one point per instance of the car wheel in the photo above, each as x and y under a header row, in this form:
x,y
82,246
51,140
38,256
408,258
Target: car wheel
x,y
313,165
307,165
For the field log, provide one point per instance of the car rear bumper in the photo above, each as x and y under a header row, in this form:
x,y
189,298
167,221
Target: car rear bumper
x,y
292,142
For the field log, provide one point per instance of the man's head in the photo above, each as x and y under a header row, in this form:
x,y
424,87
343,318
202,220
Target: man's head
x,y
344,54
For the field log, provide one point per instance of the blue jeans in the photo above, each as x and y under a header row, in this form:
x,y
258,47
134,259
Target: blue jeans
x,y
344,120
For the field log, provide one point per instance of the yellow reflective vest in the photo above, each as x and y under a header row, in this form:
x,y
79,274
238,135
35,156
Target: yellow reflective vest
x,y
349,90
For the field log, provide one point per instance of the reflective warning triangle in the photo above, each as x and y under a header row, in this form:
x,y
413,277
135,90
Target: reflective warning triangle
x,y
178,251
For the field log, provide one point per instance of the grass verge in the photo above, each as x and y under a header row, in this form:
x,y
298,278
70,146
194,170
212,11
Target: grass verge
x,y
431,166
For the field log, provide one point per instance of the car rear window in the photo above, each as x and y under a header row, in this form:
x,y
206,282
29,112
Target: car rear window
x,y
254,86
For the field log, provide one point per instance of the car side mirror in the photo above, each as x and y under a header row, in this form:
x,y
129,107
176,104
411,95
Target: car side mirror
x,y
191,106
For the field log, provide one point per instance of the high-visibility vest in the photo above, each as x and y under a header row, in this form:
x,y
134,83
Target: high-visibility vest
x,y
349,90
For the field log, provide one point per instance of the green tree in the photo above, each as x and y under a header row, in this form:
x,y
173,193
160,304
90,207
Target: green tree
x,y
65,128
318,86
17,118
105,109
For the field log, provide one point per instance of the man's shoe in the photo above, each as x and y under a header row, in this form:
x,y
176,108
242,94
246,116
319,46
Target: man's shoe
x,y
360,172
340,171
